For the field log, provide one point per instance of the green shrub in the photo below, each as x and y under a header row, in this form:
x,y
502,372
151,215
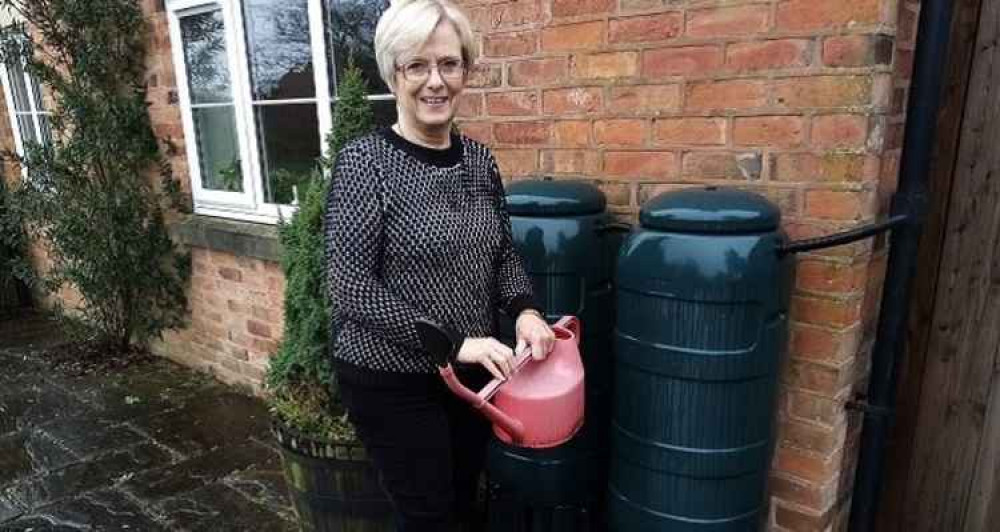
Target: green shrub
x,y
302,385
87,197
13,264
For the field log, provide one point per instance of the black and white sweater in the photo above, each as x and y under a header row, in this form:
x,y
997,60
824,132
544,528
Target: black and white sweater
x,y
413,232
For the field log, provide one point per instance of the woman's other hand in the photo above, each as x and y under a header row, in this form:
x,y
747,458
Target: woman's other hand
x,y
533,332
493,355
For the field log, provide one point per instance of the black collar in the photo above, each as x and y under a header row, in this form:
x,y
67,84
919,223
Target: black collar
x,y
441,158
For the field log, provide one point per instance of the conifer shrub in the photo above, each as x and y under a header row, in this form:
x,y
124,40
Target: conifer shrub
x,y
302,386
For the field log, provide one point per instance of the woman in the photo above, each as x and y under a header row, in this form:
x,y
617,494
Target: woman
x,y
417,229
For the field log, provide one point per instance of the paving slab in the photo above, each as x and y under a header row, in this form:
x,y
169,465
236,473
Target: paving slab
x,y
151,446
217,508
104,510
193,473
29,452
86,436
144,390
212,421
102,472
264,483
34,402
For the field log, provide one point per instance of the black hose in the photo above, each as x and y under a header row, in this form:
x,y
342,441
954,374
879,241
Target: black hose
x,y
839,239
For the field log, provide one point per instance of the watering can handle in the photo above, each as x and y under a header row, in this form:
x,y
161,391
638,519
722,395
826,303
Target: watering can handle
x,y
571,324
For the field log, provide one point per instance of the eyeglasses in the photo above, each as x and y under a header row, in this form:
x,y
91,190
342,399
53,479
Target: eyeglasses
x,y
419,71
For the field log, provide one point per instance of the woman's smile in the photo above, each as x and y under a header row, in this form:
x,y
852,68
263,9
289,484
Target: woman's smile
x,y
435,103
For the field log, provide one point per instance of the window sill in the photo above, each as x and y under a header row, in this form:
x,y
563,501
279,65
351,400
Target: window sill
x,y
243,239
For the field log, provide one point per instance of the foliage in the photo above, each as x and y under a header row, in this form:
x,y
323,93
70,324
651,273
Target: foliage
x,y
353,115
288,185
87,197
232,176
13,264
300,378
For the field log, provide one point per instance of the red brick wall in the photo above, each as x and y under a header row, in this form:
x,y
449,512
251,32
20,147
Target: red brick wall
x,y
795,99
236,318
9,169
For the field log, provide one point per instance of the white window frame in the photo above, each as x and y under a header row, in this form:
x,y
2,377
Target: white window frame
x,y
249,205
36,109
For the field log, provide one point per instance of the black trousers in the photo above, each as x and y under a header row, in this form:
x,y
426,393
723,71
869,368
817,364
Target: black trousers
x,y
428,445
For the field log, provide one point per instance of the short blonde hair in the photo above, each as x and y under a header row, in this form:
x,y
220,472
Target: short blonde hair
x,y
407,25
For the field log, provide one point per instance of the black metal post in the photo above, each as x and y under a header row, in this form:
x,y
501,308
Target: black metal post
x,y
910,201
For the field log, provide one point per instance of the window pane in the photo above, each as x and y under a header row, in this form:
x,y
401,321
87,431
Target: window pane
x,y
18,90
218,152
289,143
280,53
37,94
43,122
205,57
350,31
27,127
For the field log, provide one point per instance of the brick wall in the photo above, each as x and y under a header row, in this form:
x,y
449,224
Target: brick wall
x,y
236,318
799,100
9,170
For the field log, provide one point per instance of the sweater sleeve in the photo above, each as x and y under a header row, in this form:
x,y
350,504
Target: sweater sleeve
x,y
513,283
354,249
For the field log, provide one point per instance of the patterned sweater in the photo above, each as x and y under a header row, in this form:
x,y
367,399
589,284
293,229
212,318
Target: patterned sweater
x,y
413,232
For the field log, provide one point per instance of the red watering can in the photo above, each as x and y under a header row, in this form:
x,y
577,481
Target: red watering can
x,y
541,405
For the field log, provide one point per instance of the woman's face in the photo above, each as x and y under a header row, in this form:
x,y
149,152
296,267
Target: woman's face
x,y
428,83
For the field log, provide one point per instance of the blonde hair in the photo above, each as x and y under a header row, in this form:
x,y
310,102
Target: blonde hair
x,y
407,25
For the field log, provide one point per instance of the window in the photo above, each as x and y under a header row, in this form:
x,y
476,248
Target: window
x,y
350,31
257,80
29,120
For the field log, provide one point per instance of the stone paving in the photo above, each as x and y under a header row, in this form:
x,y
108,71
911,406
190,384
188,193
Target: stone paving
x,y
154,447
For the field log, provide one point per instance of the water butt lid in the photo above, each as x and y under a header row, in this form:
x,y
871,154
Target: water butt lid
x,y
554,198
716,210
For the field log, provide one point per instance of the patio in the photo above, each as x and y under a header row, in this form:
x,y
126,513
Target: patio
x,y
156,447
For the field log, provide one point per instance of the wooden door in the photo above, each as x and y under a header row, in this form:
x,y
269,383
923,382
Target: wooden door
x,y
944,464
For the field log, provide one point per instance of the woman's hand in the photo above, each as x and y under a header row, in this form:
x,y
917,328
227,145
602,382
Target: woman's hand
x,y
497,358
532,331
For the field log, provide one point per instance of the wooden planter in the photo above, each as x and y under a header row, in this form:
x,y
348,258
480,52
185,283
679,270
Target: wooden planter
x,y
333,486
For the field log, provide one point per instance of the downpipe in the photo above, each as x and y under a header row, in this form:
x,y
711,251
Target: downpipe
x,y
910,203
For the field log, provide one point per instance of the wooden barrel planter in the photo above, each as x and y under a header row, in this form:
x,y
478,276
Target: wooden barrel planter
x,y
333,486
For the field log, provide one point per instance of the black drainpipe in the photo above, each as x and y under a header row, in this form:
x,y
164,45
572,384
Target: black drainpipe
x,y
910,201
